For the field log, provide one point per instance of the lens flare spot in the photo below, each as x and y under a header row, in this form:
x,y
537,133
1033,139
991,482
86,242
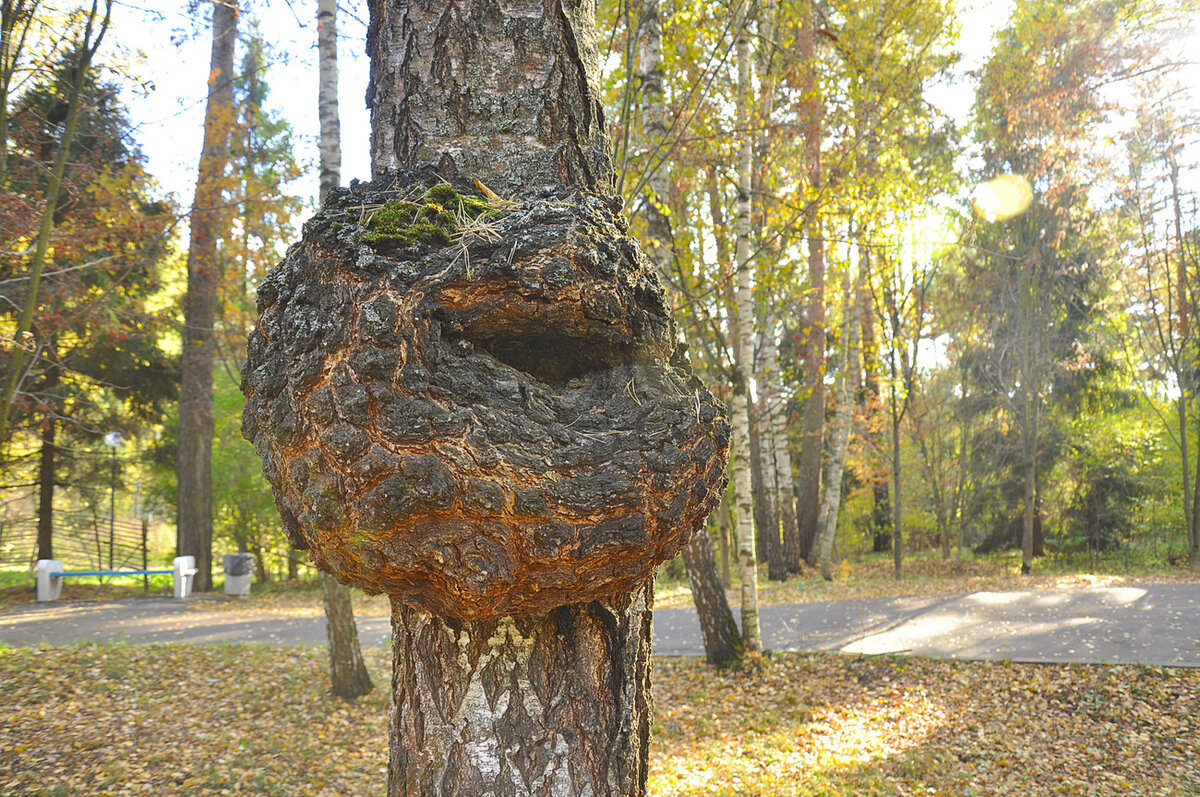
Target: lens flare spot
x,y
1002,198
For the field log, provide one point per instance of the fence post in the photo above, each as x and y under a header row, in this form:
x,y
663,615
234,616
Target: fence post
x,y
48,589
145,560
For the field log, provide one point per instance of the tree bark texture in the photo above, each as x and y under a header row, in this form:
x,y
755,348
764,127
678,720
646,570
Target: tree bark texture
x,y
505,92
554,704
722,640
194,490
661,243
813,440
491,420
347,672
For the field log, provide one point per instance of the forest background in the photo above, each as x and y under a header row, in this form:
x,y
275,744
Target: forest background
x,y
970,263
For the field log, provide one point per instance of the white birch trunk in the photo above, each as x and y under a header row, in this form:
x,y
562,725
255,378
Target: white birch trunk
x,y
330,144
847,383
747,558
780,450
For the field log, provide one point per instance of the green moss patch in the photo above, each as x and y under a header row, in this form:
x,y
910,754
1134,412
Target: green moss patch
x,y
432,220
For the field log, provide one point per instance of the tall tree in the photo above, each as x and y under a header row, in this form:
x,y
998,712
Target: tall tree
x,y
96,363
1037,264
744,331
722,640
88,42
813,440
209,219
347,671
514,523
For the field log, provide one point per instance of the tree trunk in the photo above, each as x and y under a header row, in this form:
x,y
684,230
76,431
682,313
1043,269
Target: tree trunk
x,y
330,143
347,672
881,537
46,474
842,424
727,536
813,441
747,557
712,607
722,640
781,452
544,705
194,491
762,479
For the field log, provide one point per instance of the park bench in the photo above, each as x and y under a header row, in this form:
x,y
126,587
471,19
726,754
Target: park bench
x,y
51,572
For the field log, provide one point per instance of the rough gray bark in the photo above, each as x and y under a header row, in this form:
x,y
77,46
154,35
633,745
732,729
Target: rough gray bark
x,y
508,93
194,465
722,639
554,704
490,420
347,673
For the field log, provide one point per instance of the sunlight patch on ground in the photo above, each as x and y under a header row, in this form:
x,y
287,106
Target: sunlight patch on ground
x,y
809,744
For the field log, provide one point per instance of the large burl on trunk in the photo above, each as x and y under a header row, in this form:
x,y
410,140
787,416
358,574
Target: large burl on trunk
x,y
495,426
479,405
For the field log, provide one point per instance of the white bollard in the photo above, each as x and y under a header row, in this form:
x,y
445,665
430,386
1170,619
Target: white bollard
x,y
185,572
48,589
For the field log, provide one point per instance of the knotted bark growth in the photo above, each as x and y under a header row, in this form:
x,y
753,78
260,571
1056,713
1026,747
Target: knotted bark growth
x,y
492,417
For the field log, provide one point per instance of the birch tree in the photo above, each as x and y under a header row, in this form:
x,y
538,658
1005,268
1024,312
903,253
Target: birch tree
x,y
744,326
347,671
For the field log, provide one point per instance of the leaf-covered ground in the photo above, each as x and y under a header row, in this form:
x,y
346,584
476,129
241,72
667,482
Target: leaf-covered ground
x,y
251,720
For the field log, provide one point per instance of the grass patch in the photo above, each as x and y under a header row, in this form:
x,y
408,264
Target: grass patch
x,y
251,720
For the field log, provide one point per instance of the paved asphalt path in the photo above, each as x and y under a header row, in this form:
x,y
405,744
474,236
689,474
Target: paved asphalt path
x,y
1149,624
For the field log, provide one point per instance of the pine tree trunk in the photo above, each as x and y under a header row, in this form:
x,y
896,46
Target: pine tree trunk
x,y
194,492
813,441
747,556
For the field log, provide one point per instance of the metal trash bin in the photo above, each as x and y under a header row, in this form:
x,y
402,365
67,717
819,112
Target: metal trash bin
x,y
237,572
